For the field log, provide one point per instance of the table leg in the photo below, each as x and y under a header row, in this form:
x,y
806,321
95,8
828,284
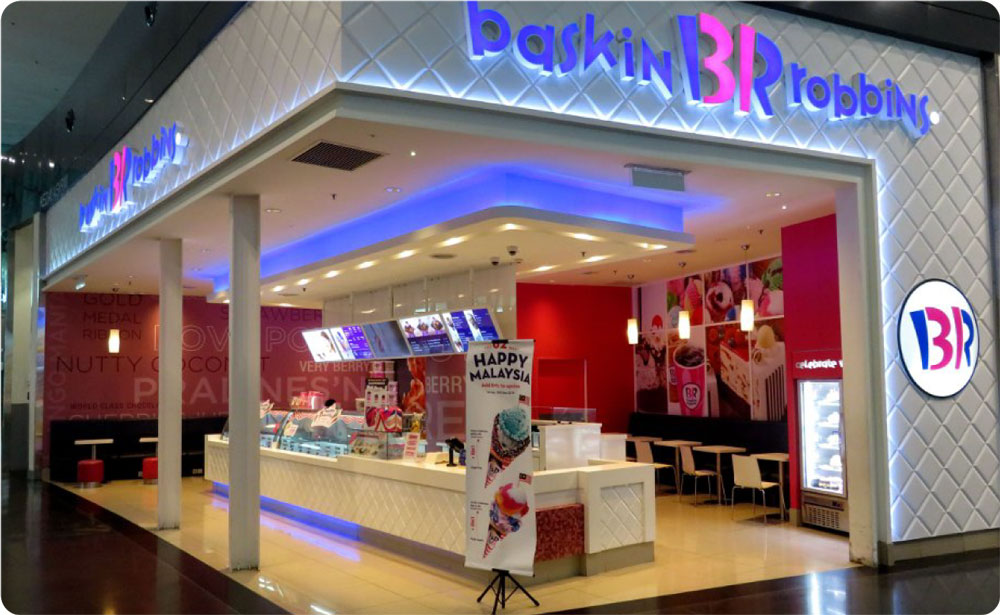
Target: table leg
x,y
781,487
93,451
677,469
718,478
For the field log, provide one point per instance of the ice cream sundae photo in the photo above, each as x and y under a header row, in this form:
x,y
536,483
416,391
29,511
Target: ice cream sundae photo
x,y
509,506
511,436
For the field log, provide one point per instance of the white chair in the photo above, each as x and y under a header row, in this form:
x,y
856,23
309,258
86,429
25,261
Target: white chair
x,y
746,475
644,454
688,469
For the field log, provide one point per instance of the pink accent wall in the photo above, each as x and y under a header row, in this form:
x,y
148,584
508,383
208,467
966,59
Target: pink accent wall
x,y
812,315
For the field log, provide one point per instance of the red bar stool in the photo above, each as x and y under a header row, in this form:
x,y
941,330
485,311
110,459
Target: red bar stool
x,y
149,469
90,472
150,465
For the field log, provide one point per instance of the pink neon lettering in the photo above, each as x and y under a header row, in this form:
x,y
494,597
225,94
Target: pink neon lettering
x,y
956,313
941,340
716,63
747,38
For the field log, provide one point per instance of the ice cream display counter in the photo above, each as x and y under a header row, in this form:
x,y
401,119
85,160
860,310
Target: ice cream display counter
x,y
590,519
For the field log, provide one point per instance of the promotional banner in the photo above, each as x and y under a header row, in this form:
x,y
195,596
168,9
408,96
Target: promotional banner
x,y
499,496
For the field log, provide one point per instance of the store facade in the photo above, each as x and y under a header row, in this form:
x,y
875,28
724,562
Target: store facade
x,y
903,123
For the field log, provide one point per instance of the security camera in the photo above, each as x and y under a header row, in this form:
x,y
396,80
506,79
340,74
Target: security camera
x,y
115,288
494,260
512,250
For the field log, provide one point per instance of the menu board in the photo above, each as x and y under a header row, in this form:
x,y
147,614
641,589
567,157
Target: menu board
x,y
481,319
385,340
426,334
470,325
351,342
321,345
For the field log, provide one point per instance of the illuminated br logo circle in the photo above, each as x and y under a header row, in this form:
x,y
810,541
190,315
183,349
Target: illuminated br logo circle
x,y
938,338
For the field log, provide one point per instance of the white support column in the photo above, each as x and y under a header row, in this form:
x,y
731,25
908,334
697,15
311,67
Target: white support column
x,y
244,384
168,491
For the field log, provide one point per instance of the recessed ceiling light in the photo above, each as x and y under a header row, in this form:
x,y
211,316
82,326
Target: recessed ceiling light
x,y
285,304
406,254
494,290
368,311
302,282
413,153
784,206
278,288
52,165
461,295
149,101
365,265
392,189
451,241
651,246
331,274
225,300
584,236
510,226
543,268
272,210
771,195
595,259
399,305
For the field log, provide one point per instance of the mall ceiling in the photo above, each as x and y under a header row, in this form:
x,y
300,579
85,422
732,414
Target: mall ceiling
x,y
105,61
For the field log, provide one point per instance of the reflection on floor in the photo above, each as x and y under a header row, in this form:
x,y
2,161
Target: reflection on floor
x,y
307,570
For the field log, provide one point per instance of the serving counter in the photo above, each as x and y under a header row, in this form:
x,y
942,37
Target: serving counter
x,y
590,519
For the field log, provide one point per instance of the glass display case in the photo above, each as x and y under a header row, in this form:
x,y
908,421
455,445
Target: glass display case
x,y
822,428
271,422
326,433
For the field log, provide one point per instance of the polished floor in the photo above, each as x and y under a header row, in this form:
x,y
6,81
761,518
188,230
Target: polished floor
x,y
306,570
64,554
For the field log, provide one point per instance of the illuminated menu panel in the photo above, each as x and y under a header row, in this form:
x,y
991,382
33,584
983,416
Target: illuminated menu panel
x,y
426,334
321,345
480,318
465,326
351,342
386,340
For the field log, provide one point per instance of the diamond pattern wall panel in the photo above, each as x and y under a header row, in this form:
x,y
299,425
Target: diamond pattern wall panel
x,y
276,57
427,515
620,516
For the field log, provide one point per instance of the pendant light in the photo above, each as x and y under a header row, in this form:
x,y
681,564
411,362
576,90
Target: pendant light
x,y
746,306
114,341
632,331
683,317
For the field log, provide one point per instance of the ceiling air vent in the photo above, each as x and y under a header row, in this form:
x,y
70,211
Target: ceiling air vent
x,y
333,156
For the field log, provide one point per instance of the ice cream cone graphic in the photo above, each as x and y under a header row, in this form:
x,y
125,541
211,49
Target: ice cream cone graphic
x,y
510,503
511,436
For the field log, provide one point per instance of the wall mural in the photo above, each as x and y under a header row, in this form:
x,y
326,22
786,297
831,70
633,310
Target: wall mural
x,y
720,370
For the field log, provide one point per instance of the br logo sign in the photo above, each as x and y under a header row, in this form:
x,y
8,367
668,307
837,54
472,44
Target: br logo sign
x,y
938,338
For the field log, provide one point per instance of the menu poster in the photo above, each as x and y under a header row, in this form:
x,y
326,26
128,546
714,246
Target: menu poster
x,y
351,342
321,345
480,318
426,334
385,340
499,496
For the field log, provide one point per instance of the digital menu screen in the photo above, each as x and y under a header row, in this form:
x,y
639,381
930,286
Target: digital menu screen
x,y
426,334
351,342
321,345
481,319
385,340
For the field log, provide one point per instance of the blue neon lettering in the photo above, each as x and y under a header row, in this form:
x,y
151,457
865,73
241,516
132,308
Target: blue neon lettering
x,y
597,51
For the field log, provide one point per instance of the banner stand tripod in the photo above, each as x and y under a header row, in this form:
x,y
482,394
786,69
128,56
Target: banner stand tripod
x,y
499,587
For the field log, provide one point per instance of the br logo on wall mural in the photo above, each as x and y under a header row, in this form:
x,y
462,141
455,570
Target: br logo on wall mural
x,y
938,338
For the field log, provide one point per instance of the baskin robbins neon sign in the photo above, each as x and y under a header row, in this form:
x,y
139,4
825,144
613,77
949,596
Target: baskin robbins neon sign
x,y
731,66
130,168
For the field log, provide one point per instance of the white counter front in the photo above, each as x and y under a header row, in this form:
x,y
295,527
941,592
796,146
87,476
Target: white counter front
x,y
425,502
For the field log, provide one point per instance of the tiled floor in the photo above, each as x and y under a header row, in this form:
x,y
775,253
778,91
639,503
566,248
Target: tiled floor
x,y
307,570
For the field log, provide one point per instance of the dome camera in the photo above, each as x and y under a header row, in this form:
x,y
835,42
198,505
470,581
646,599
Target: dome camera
x,y
494,260
512,250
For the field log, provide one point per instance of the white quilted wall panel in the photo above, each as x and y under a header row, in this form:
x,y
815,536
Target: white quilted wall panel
x,y
276,57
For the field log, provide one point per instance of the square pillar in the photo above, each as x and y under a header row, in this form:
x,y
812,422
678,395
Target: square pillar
x,y
244,383
168,489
